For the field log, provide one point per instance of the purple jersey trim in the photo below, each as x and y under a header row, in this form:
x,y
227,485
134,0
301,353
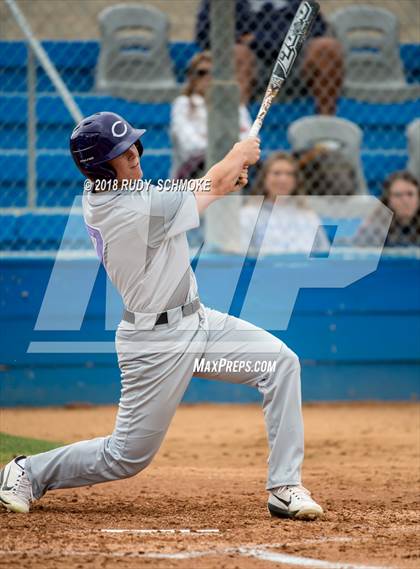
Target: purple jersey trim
x,y
97,241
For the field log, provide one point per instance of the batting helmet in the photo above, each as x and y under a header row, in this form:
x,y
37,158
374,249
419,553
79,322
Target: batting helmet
x,y
100,138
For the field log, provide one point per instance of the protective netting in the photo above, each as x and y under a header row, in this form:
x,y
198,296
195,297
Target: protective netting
x,y
344,124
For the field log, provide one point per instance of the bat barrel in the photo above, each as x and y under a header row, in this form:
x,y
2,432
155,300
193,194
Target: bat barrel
x,y
299,29
296,35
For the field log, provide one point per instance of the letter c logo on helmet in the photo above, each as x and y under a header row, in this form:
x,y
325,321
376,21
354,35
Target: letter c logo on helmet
x,y
119,134
99,138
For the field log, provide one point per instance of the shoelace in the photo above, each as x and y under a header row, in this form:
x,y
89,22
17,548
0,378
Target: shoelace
x,y
298,491
23,486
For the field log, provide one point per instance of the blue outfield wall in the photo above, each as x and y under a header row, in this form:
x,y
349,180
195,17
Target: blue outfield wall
x,y
358,342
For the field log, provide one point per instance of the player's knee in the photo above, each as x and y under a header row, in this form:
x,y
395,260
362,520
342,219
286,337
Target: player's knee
x,y
131,459
285,374
288,363
128,467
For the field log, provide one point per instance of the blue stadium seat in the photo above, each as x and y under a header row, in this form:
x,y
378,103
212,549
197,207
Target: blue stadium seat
x,y
13,168
284,113
156,166
391,114
13,110
181,53
377,166
76,62
55,123
410,55
15,196
58,169
377,137
43,232
281,115
13,119
8,231
383,124
51,109
39,229
58,180
13,73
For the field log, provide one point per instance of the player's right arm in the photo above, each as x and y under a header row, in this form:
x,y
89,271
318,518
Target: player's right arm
x,y
223,177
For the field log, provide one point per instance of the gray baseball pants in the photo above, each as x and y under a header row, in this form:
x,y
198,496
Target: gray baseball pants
x,y
156,368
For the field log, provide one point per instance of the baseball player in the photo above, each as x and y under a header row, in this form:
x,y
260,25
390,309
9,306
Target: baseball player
x,y
140,237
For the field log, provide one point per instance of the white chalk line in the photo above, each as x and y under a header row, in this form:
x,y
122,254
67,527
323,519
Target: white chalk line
x,y
266,555
258,552
212,531
315,541
110,554
217,532
171,531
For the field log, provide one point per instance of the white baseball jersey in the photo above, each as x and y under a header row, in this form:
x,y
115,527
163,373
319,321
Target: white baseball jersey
x,y
140,238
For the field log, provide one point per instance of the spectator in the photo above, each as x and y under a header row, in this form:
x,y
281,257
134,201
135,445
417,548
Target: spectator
x,y
262,26
293,225
326,172
401,196
245,61
189,120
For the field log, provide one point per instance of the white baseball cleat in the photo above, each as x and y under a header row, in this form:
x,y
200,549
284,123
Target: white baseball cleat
x,y
15,488
293,502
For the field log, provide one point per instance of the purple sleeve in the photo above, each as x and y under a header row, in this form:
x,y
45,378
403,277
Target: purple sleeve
x,y
97,240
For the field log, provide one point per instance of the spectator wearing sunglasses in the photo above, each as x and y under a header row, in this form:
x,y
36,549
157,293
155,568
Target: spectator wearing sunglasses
x,y
189,120
401,196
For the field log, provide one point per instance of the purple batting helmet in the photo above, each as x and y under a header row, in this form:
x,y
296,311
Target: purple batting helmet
x,y
100,138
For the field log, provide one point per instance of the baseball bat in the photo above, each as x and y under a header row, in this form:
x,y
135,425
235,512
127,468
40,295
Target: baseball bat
x,y
291,46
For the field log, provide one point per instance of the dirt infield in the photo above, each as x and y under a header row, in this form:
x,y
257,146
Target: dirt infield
x,y
202,503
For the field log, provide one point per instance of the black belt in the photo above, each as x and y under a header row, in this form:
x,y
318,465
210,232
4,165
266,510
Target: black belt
x,y
162,318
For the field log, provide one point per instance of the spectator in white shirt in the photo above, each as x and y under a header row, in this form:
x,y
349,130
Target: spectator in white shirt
x,y
290,226
189,120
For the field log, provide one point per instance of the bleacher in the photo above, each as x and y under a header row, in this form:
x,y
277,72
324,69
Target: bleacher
x,y
58,181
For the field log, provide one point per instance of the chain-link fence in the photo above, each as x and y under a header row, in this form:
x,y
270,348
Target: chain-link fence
x,y
344,123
